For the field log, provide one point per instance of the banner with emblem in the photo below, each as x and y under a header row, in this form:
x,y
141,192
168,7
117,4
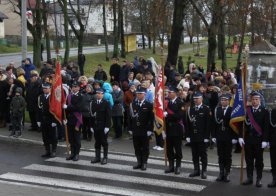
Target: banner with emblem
x,y
158,104
238,111
57,98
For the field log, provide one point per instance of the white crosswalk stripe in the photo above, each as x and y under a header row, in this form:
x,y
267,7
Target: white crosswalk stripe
x,y
115,178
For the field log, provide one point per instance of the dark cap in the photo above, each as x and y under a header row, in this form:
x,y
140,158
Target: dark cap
x,y
173,89
100,90
19,90
197,95
255,94
210,83
141,89
75,83
177,74
46,85
115,83
226,96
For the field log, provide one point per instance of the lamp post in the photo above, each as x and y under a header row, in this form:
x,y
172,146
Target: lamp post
x,y
24,41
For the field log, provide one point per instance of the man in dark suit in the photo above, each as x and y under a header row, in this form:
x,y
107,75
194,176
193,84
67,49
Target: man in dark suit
x,y
47,122
174,130
101,112
199,117
141,127
272,144
114,71
255,138
74,117
224,137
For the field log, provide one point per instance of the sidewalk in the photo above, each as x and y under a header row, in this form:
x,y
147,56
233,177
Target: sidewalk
x,y
125,145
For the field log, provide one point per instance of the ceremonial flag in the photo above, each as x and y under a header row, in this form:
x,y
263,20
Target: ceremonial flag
x,y
238,112
158,103
57,98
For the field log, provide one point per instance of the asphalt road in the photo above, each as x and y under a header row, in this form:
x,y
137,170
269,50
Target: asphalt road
x,y
24,172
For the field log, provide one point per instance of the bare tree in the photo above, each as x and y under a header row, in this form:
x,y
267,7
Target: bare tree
x,y
105,31
121,27
115,31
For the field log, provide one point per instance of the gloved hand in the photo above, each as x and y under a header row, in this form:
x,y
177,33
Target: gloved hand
x,y
38,124
53,124
234,141
149,133
165,114
164,135
241,142
92,130
264,144
106,130
130,132
65,121
188,139
206,140
64,106
214,140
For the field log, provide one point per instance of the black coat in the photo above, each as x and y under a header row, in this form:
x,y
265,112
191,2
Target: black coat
x,y
142,119
222,130
199,123
114,71
33,91
102,114
174,119
74,106
261,117
100,75
272,130
44,115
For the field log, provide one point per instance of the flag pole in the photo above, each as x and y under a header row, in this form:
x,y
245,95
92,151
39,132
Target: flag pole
x,y
163,99
244,77
66,134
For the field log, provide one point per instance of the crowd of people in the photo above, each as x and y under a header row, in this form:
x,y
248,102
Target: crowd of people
x,y
198,106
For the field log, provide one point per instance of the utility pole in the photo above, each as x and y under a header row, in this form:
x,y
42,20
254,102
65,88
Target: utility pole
x,y
24,41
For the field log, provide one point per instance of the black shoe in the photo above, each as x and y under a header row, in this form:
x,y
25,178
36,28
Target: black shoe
x,y
203,175
76,157
96,160
194,174
138,166
104,161
18,134
70,157
248,182
258,183
144,167
12,134
272,184
220,177
53,155
177,171
226,178
46,155
169,170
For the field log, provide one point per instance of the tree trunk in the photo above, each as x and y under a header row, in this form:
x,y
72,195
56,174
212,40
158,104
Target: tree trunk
x,y
154,45
142,23
37,34
115,31
80,41
272,22
105,32
242,38
122,32
212,45
177,29
63,4
45,28
221,43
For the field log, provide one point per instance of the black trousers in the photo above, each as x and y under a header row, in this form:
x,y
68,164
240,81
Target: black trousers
x,y
118,125
199,150
224,149
100,139
87,124
74,139
254,157
174,147
141,147
49,134
159,140
81,69
273,160
32,115
17,122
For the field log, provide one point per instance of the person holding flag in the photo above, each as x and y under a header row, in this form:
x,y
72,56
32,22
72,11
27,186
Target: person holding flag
x,y
255,138
224,137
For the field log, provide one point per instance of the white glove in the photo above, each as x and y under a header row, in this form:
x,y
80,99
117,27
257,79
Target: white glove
x,y
106,130
65,122
214,140
38,124
264,144
92,130
165,114
164,135
206,140
53,124
149,133
130,132
64,106
188,139
234,141
241,141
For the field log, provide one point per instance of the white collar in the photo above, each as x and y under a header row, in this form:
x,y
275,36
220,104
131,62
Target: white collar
x,y
256,108
173,100
198,106
225,107
76,93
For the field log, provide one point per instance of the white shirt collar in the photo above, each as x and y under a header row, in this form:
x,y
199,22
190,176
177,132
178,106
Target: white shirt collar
x,y
173,100
256,108
198,106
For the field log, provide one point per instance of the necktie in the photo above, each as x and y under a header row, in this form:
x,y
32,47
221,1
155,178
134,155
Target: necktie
x,y
254,110
197,108
139,103
98,102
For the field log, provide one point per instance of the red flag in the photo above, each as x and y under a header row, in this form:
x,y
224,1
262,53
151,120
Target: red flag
x,y
57,98
158,104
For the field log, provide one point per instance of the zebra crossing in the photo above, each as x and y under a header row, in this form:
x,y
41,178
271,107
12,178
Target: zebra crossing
x,y
115,178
